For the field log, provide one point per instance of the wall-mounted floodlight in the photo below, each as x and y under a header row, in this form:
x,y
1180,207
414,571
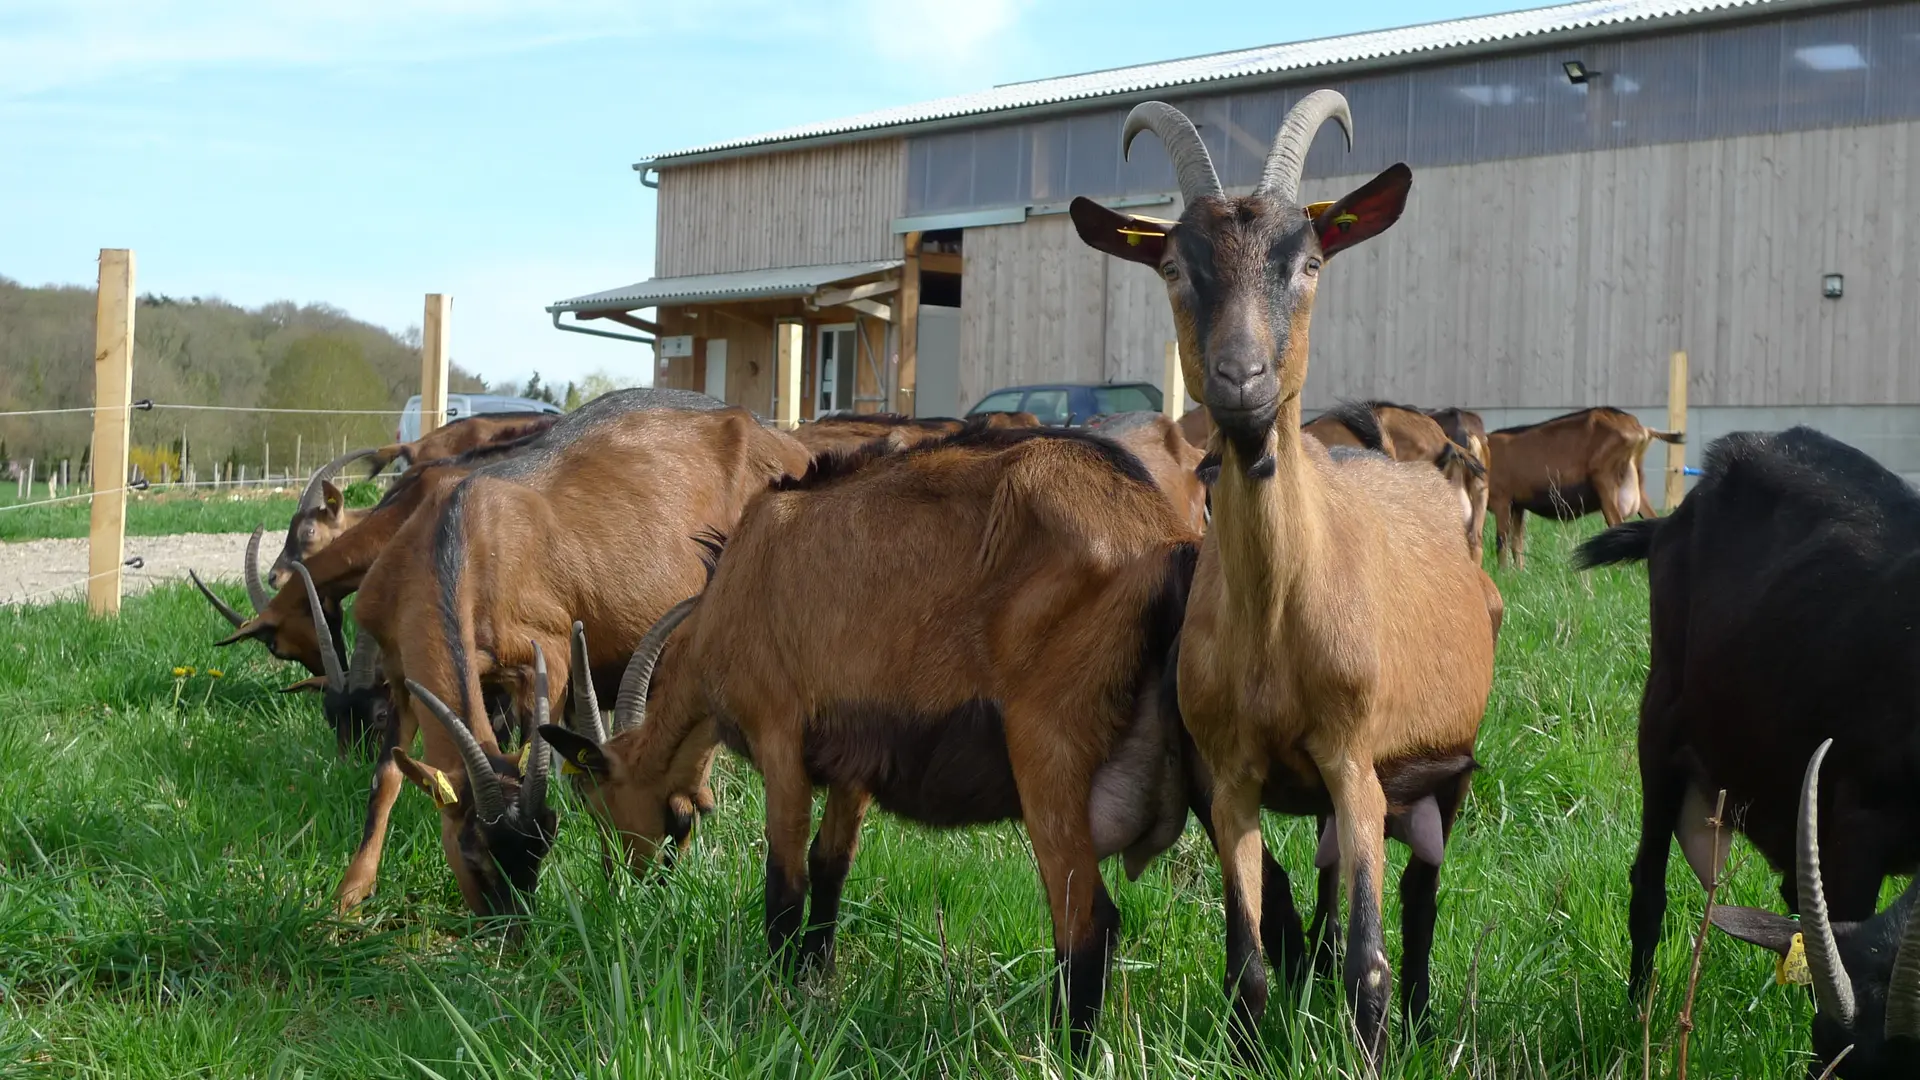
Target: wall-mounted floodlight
x,y
1833,285
1577,72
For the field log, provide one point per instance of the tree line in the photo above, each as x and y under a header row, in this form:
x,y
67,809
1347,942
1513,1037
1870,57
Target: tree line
x,y
206,351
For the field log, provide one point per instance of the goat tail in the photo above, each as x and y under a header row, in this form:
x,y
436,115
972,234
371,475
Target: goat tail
x,y
1630,541
387,455
1675,437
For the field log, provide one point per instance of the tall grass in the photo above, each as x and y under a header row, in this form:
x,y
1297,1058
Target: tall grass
x,y
168,847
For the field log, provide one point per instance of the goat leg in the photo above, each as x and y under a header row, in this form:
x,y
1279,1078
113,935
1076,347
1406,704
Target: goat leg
x,y
1324,935
1360,812
1236,838
1086,924
828,862
364,869
1662,790
1419,909
789,817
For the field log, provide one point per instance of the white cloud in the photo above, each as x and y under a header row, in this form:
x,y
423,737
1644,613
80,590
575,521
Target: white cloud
x,y
939,34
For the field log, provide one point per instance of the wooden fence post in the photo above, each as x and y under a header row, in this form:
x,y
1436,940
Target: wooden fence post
x,y
1173,386
433,361
112,398
788,340
1676,422
906,379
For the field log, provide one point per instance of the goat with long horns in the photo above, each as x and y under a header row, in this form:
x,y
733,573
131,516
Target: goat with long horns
x,y
1337,652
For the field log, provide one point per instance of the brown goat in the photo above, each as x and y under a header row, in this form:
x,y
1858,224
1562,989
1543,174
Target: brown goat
x,y
1018,675
600,519
1565,468
1163,448
323,515
1466,429
1338,648
1405,434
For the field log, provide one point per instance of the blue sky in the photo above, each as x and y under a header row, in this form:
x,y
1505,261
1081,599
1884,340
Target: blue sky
x,y
365,152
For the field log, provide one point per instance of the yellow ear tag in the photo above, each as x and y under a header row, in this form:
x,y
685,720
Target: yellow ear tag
x,y
1346,221
521,764
1314,210
443,793
568,768
1792,968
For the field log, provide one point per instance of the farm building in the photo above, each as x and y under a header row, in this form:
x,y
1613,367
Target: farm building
x,y
1596,185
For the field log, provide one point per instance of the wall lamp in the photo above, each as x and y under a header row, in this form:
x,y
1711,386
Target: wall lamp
x,y
1577,72
1832,286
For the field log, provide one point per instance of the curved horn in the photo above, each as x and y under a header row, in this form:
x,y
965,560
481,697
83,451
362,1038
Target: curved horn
x,y
533,783
363,667
488,803
226,612
583,705
1903,989
1280,179
310,496
257,593
1831,988
1192,165
329,660
630,708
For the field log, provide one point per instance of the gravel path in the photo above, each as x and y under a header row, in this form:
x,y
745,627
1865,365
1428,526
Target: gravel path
x,y
41,571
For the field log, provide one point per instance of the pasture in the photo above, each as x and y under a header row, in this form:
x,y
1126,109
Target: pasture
x,y
169,843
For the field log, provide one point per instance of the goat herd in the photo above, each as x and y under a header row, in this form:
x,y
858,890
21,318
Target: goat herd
x,y
1099,631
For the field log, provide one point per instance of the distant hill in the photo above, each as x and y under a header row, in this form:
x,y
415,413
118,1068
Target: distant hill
x,y
204,352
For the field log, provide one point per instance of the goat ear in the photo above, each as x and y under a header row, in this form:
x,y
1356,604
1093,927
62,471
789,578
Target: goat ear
x,y
1756,927
580,753
1136,239
427,779
1365,212
330,497
313,684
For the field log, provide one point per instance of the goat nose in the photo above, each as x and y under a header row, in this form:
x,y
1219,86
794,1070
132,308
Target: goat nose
x,y
1240,371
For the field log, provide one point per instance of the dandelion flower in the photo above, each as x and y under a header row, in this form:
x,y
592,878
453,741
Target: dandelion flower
x,y
215,672
179,673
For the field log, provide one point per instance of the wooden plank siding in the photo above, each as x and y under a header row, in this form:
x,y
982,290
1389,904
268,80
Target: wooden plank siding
x,y
748,329
1547,282
803,208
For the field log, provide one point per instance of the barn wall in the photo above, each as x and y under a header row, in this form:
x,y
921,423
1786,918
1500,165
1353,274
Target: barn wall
x,y
804,208
1548,282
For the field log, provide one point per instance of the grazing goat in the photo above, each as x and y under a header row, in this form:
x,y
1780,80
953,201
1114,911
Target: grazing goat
x,y
1338,647
1865,975
598,519
1163,448
1565,468
846,432
323,515
991,646
1784,598
1466,429
1405,434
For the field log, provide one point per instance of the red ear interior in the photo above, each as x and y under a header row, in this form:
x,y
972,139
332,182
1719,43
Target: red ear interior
x,y
1365,212
1141,240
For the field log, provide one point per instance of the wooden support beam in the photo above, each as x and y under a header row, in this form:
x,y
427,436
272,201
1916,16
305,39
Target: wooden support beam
x,y
870,307
1173,384
846,296
940,262
1676,422
624,318
909,328
788,342
435,338
112,399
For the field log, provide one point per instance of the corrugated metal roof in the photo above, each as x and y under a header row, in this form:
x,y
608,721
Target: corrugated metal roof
x,y
714,288
1378,45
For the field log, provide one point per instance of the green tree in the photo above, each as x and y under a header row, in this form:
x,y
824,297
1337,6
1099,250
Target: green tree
x,y
538,390
572,400
327,371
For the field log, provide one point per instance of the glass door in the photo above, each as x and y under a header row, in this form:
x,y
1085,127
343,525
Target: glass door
x,y
833,387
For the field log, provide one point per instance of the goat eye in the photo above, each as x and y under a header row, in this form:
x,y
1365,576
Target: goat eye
x,y
1313,265
1170,272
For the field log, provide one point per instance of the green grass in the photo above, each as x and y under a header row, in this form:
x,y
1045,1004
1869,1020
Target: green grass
x,y
168,848
163,514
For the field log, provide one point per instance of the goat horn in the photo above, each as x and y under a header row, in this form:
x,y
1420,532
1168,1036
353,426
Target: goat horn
x,y
1280,179
363,667
310,496
226,612
533,782
1192,165
257,593
1831,988
630,708
488,803
1903,988
583,703
329,660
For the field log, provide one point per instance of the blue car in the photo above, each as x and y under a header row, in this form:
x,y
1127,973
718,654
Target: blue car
x,y
1071,404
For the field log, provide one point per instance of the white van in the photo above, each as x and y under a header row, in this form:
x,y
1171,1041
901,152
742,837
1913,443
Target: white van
x,y
461,406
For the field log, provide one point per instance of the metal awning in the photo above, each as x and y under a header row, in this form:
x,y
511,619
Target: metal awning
x,y
715,288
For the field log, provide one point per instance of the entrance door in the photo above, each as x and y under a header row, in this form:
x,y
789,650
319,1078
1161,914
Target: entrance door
x,y
937,363
833,389
717,368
